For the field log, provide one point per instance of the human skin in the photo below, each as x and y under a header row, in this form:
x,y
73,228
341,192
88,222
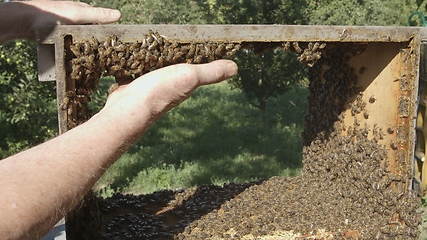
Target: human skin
x,y
41,185
20,19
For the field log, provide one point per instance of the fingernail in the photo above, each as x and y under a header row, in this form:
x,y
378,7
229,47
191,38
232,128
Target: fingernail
x,y
232,69
116,14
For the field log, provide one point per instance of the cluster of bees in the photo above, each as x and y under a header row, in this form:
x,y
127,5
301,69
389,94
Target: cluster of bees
x,y
91,59
88,60
163,214
354,157
309,54
345,184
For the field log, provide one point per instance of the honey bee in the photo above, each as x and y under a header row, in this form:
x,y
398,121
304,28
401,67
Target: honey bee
x,y
229,46
107,42
192,50
75,49
150,39
153,45
134,47
381,134
115,68
198,59
135,64
65,103
297,47
393,145
144,43
233,51
366,115
76,73
82,99
122,62
70,111
315,47
87,48
177,56
159,38
286,46
219,49
114,40
120,47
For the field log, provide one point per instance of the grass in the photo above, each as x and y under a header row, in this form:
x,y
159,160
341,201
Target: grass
x,y
215,137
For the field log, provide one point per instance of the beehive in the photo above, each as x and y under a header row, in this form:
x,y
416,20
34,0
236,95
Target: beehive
x,y
359,138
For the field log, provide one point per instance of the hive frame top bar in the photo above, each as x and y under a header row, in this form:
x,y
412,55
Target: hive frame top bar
x,y
236,33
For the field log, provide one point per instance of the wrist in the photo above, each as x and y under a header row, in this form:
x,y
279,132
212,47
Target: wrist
x,y
121,127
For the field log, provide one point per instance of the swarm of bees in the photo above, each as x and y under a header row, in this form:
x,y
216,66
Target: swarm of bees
x,y
113,57
345,185
91,59
308,55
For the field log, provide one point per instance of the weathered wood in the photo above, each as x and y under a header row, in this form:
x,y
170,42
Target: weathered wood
x,y
235,33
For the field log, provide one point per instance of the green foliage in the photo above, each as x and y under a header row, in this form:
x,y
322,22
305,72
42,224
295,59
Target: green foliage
x,y
159,12
260,12
270,73
266,75
361,12
419,3
213,138
417,17
27,107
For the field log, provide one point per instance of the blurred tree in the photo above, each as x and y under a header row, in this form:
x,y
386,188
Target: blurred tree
x,y
270,73
27,106
159,12
360,12
266,75
260,12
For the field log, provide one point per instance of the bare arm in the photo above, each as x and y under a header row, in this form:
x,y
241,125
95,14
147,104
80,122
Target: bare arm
x,y
41,185
20,19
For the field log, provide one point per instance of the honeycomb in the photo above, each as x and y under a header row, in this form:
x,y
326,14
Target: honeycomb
x,y
345,190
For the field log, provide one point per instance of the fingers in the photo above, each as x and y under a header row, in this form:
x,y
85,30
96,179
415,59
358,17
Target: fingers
x,y
163,89
189,76
216,71
69,12
96,15
177,82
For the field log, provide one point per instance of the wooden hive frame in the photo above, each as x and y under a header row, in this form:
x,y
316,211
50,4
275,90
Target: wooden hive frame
x,y
390,77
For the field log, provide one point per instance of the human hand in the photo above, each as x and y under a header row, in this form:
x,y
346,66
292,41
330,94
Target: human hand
x,y
137,104
69,12
20,19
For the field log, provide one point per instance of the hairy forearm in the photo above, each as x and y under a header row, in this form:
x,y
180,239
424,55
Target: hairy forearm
x,y
41,185
50,179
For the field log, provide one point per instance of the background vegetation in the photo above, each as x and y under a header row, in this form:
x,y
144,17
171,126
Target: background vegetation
x,y
216,136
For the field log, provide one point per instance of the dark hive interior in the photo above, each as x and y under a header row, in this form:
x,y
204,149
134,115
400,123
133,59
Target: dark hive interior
x,y
346,189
